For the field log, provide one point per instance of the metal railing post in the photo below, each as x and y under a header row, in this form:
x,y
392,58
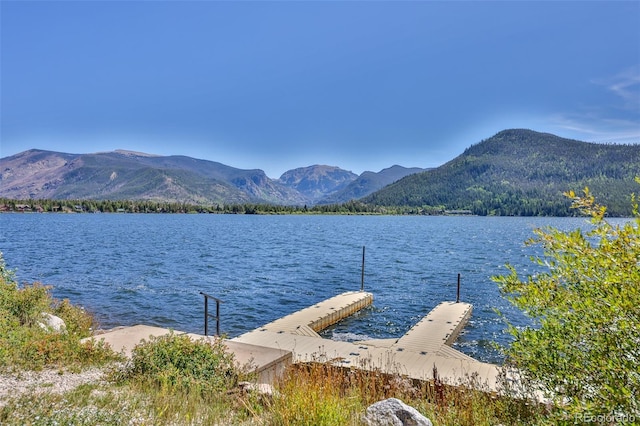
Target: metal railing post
x,y
362,279
217,317
207,315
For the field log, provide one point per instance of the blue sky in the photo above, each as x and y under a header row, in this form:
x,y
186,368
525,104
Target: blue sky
x,y
279,85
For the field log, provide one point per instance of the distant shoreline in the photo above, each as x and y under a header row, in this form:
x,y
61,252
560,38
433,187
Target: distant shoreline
x,y
159,207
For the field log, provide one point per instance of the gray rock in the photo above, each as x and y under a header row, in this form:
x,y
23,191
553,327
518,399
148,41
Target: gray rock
x,y
262,389
52,323
393,412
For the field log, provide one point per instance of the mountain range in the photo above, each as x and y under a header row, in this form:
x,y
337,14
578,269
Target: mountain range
x,y
121,174
515,172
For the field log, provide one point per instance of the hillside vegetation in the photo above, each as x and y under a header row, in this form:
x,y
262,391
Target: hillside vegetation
x,y
521,172
516,172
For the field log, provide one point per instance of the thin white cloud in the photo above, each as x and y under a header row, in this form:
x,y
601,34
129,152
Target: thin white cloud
x,y
616,120
625,85
598,129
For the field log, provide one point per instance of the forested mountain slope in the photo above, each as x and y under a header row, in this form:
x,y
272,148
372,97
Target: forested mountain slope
x,y
522,172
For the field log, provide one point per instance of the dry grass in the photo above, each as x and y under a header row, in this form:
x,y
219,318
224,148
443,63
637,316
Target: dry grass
x,y
323,394
307,394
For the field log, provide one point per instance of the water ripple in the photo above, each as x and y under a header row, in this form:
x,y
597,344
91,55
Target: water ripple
x,y
131,269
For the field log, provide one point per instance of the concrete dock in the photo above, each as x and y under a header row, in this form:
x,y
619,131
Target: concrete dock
x,y
294,338
266,363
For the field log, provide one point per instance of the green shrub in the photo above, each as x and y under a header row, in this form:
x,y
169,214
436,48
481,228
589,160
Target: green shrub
x,y
23,307
178,362
25,343
584,349
78,322
6,275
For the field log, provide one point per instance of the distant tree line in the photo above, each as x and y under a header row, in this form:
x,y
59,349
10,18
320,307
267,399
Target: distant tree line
x,y
503,205
148,206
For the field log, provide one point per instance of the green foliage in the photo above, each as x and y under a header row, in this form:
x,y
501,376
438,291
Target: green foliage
x,y
521,173
147,206
178,362
26,343
585,346
184,380
6,275
23,307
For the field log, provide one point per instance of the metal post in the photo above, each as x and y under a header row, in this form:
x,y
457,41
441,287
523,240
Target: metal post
x,y
458,296
362,280
206,314
217,318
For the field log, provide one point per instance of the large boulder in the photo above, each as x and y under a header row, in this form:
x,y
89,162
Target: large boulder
x,y
393,412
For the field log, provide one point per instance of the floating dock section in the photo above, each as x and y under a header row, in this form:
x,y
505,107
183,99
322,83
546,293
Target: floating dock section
x,y
440,327
311,320
422,349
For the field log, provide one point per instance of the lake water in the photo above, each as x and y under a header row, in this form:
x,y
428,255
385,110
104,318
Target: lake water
x,y
130,269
